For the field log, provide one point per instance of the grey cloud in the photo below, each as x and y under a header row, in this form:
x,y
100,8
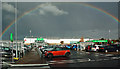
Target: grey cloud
x,y
49,8
9,8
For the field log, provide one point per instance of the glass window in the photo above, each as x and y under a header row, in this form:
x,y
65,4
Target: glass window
x,y
58,49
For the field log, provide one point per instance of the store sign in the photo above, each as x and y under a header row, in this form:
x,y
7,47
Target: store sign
x,y
99,40
40,39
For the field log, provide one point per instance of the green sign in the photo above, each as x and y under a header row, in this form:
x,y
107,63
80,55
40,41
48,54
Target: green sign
x,y
11,37
99,40
40,39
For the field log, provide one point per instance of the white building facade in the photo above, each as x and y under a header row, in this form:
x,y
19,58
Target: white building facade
x,y
56,41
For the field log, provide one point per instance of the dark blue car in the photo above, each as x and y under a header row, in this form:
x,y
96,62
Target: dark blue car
x,y
109,48
74,46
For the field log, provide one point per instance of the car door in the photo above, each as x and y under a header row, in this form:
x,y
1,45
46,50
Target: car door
x,y
111,48
56,52
59,51
63,51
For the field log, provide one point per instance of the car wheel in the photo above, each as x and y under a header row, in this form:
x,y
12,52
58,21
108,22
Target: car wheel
x,y
97,50
49,55
67,54
106,51
117,50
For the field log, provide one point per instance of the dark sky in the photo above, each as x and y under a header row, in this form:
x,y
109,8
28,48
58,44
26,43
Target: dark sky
x,y
61,20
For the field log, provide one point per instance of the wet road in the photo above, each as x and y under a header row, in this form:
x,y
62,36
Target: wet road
x,y
85,59
77,59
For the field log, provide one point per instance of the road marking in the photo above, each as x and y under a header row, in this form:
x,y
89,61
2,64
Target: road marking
x,y
97,53
99,60
45,67
108,55
105,59
60,62
87,52
71,61
52,61
19,65
101,54
92,60
115,58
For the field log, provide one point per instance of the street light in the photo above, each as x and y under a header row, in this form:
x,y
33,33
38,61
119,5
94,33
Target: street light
x,y
30,36
30,32
109,34
16,28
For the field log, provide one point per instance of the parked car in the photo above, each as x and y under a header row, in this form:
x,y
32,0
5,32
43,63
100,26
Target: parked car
x,y
88,48
27,47
41,47
47,48
68,46
109,48
6,54
95,48
57,51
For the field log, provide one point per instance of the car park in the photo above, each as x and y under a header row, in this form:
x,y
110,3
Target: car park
x,y
57,51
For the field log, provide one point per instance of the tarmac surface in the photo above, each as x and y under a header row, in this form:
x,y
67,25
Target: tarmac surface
x,y
32,58
77,59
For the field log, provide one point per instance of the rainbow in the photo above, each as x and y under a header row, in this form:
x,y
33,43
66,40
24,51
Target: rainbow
x,y
33,9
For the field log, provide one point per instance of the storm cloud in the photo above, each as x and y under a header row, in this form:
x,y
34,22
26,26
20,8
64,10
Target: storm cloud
x,y
63,20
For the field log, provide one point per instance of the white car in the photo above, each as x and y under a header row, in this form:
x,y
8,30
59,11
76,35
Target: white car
x,y
95,47
48,48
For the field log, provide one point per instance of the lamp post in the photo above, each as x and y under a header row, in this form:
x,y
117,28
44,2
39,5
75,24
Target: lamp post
x,y
30,33
16,29
109,34
30,36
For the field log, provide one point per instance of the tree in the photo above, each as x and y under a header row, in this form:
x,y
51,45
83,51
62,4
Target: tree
x,y
62,42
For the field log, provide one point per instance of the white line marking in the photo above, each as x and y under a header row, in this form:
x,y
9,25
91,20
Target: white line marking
x,y
105,59
109,55
60,62
115,58
52,61
15,65
99,60
92,60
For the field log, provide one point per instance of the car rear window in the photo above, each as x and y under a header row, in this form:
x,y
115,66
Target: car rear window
x,y
65,49
58,49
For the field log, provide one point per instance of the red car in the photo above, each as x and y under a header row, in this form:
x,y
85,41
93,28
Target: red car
x,y
57,51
